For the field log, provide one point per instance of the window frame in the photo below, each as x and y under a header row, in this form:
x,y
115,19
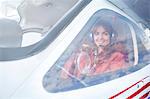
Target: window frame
x,y
135,69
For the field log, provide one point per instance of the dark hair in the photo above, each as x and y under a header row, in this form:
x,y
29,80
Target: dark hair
x,y
104,24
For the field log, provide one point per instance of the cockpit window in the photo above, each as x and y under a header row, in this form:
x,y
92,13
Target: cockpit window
x,y
103,50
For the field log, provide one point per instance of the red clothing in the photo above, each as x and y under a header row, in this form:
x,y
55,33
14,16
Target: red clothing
x,y
90,64
114,62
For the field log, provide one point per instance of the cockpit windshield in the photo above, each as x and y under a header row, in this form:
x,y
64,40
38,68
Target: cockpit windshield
x,y
109,46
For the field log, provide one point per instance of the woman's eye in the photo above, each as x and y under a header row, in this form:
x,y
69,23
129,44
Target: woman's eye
x,y
96,33
106,33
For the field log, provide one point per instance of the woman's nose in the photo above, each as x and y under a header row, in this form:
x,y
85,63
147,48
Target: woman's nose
x,y
100,36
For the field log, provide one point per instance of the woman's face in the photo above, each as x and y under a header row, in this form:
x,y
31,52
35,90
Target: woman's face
x,y
101,36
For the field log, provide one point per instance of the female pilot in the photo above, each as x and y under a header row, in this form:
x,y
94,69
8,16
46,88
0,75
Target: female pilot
x,y
101,58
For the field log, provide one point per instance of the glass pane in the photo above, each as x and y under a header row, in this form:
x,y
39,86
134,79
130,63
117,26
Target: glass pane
x,y
102,51
143,42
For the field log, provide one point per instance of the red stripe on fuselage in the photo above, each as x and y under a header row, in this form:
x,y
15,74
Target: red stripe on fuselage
x,y
140,90
145,95
127,88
